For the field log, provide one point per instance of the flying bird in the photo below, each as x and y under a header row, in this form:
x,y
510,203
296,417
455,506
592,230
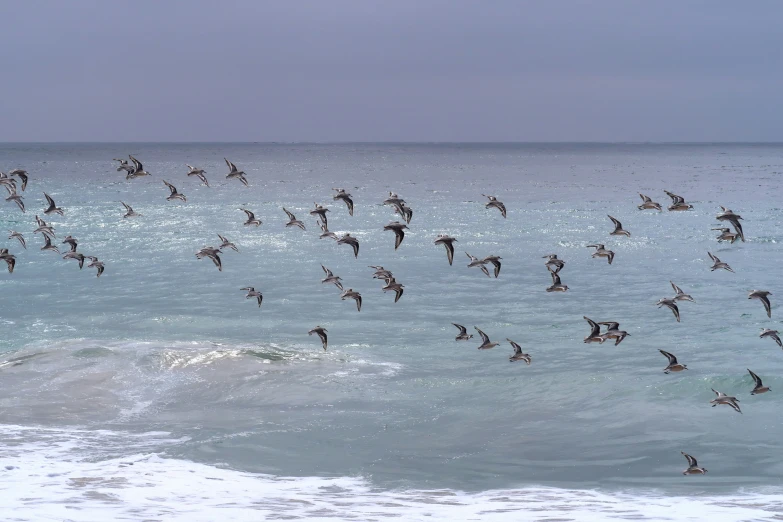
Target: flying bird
x,y
693,466
174,194
601,251
718,264
48,244
320,211
72,241
348,239
399,233
52,209
673,366
19,237
726,234
225,243
356,296
474,261
448,242
759,388
678,202
557,285
343,195
199,173
393,285
495,260
10,259
681,296
669,303
211,253
485,343
129,212
321,333
772,334
648,204
292,221
251,218
463,333
618,229
762,295
722,398
553,263
253,293
734,219
595,332
137,169
94,263
613,332
234,173
494,203
77,256
331,278
518,354
21,174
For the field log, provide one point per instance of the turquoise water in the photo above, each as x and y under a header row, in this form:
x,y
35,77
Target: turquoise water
x,y
163,362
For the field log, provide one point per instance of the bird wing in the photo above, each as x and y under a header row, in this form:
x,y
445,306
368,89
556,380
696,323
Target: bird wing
x,y
290,216
50,200
250,215
756,378
691,461
462,329
484,336
232,168
670,356
171,187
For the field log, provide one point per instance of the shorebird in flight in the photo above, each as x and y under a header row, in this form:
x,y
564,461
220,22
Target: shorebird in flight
x,y
48,244
343,195
251,218
72,241
399,232
673,366
234,173
124,166
348,239
225,243
772,334
618,229
52,208
494,203
671,305
557,285
681,296
356,296
253,293
137,169
199,173
648,204
129,212
718,264
463,334
77,256
211,253
21,174
325,232
10,259
693,466
763,296
518,354
292,221
19,237
601,251
734,219
94,263
321,333
393,285
448,242
553,263
331,278
474,261
726,234
595,332
613,332
174,194
13,196
320,211
759,387
485,343
678,202
495,260
722,398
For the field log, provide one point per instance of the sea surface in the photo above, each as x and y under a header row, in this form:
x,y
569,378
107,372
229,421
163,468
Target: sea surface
x,y
158,392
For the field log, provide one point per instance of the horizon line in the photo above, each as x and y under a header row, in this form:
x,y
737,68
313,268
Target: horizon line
x,y
401,142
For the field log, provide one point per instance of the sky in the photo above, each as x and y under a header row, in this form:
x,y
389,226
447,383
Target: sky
x,y
401,70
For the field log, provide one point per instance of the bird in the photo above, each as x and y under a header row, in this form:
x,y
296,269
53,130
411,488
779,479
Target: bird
x,y
759,388
518,355
618,229
495,260
673,366
325,232
10,259
251,218
13,196
320,211
399,233
48,244
448,242
734,219
94,263
348,239
138,169
129,212
485,343
225,243
678,202
19,237
553,261
356,296
463,334
717,263
772,334
474,261
43,228
251,293
397,288
343,195
124,165
671,305
52,209
648,204
321,333
613,332
405,211
199,173
726,234
761,295
494,203
681,296
557,285
21,174
292,221
233,172
77,256
595,332
693,466
331,278
211,253
174,194
72,241
601,251
728,400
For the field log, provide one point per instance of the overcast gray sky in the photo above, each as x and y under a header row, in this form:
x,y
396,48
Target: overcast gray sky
x,y
398,70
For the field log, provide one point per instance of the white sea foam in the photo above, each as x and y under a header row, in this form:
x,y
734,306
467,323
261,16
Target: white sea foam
x,y
51,474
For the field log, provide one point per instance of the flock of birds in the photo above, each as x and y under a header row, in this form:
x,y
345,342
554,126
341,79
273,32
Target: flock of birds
x,y
554,265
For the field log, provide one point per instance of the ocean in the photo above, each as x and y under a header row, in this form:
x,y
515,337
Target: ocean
x,y
158,392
